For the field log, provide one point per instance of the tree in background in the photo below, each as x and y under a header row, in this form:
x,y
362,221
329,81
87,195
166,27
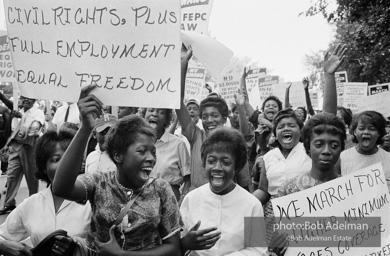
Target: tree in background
x,y
364,26
314,66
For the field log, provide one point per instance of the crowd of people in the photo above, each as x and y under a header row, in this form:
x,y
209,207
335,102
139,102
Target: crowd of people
x,y
153,181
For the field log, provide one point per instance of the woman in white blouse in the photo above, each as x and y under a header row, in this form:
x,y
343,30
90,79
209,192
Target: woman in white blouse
x,y
214,213
42,213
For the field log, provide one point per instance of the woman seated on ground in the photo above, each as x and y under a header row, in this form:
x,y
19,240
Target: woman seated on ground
x,y
220,203
368,129
130,211
42,213
323,138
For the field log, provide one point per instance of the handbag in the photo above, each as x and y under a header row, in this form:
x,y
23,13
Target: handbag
x,y
45,247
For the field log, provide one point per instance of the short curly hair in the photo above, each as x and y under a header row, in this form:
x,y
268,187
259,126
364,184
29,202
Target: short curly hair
x,y
214,101
274,98
44,149
228,140
375,118
323,123
346,114
125,132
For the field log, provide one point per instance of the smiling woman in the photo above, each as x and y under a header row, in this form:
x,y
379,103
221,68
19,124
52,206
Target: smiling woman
x,y
282,163
220,204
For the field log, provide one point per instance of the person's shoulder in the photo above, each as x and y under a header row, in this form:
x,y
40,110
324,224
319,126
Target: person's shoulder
x,y
246,196
348,152
204,189
384,153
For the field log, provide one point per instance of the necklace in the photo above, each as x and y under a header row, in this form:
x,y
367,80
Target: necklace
x,y
129,191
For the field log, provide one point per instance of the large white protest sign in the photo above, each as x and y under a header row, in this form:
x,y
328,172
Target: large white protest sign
x,y
130,49
6,67
341,78
212,54
252,85
195,82
229,85
195,15
352,93
354,198
265,86
378,88
297,95
378,102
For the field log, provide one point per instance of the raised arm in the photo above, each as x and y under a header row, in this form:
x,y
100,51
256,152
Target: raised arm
x,y
287,96
331,64
240,101
248,107
65,183
306,83
182,113
7,102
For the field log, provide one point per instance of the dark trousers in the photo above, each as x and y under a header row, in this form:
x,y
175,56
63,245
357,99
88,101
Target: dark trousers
x,y
20,161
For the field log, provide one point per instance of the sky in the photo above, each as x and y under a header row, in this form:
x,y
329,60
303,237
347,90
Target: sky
x,y
270,32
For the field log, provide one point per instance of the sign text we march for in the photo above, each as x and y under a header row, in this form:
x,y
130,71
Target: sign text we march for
x,y
348,216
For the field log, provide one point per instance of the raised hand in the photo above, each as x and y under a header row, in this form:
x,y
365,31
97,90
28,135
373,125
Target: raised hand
x,y
200,239
186,53
305,82
333,62
239,97
90,107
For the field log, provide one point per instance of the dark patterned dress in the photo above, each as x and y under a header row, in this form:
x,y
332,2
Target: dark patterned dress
x,y
153,217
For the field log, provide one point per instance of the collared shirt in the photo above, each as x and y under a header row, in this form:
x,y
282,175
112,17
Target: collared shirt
x,y
98,160
172,159
280,169
227,213
73,116
36,218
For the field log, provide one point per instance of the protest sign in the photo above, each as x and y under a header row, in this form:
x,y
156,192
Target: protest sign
x,y
378,102
195,15
130,49
229,85
352,199
265,86
252,85
194,83
213,55
297,95
378,88
352,93
7,73
314,99
279,90
341,78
